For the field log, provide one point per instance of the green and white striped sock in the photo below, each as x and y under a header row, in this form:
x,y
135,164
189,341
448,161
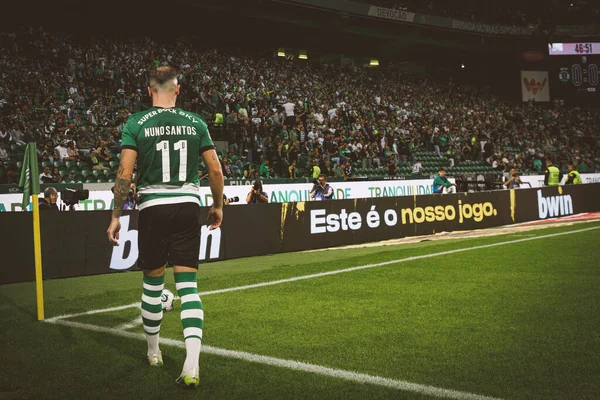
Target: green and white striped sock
x,y
152,312
192,318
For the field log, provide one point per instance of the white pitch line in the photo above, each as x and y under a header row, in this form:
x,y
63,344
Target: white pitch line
x,y
295,365
335,272
130,325
397,261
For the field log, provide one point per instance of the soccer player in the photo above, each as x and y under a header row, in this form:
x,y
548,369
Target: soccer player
x,y
166,142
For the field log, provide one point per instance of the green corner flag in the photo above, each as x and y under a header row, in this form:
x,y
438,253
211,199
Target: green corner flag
x,y
29,174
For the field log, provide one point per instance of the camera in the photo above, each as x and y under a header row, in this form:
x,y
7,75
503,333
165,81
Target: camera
x,y
71,197
315,182
234,199
257,185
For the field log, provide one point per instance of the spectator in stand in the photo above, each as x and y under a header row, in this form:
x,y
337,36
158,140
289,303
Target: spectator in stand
x,y
225,167
315,170
265,169
290,116
391,165
292,170
417,168
73,152
61,152
3,154
56,175
248,172
46,176
442,185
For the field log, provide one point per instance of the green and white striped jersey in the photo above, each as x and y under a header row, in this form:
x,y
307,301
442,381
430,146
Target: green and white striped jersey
x,y
168,142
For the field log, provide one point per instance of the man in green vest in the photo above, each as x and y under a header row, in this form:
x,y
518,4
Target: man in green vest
x,y
553,174
574,178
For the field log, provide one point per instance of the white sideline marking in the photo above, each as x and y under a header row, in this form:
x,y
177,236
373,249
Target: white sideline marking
x,y
294,365
130,325
397,261
335,272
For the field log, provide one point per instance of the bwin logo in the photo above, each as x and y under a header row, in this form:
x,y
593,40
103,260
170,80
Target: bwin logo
x,y
554,206
125,255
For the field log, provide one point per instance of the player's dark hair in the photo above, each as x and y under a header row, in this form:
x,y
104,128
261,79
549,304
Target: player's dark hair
x,y
441,169
161,75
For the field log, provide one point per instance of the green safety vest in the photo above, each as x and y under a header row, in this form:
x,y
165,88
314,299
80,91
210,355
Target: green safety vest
x,y
577,179
218,119
553,176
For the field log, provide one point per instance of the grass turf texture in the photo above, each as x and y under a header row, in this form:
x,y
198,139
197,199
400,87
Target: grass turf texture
x,y
515,321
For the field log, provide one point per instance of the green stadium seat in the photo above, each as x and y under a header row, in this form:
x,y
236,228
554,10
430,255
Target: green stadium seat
x,y
64,173
83,165
105,164
90,180
19,164
74,170
114,164
96,173
86,172
59,164
111,180
101,180
46,164
70,164
79,179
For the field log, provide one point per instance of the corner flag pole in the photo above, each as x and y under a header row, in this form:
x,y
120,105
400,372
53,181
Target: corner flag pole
x,y
30,184
37,250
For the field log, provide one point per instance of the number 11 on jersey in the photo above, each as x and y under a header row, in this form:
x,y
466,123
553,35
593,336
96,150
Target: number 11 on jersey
x,y
181,147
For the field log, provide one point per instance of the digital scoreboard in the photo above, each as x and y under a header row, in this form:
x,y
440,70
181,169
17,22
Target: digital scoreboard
x,y
574,72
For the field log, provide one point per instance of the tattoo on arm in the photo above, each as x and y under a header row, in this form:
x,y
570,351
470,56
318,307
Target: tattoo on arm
x,y
121,191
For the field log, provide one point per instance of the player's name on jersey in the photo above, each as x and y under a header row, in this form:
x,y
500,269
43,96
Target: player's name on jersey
x,y
154,113
169,130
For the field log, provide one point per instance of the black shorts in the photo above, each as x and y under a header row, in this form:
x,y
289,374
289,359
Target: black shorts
x,y
169,234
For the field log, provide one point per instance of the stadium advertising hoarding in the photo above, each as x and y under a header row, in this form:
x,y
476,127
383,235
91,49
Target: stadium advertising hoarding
x,y
280,193
75,244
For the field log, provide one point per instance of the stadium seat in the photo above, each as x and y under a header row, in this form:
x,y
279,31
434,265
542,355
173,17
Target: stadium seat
x,y
79,179
101,180
46,164
59,164
96,173
114,164
86,172
90,180
70,164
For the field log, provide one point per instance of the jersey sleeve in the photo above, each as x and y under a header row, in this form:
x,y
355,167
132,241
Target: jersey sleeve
x,y
206,142
128,136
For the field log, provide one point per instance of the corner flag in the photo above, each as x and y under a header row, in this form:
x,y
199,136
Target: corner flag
x,y
31,186
29,174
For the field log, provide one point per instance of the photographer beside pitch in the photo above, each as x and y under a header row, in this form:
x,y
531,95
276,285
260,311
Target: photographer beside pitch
x,y
321,189
166,141
257,195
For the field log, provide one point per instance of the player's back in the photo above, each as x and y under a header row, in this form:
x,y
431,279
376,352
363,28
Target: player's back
x,y
169,142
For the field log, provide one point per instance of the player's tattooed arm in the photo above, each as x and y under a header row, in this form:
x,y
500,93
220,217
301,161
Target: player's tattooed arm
x,y
123,180
122,186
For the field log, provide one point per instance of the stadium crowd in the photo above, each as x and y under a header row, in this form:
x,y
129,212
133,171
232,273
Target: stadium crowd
x,y
286,116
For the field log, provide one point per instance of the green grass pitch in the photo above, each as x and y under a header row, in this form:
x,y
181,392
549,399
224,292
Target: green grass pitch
x,y
520,320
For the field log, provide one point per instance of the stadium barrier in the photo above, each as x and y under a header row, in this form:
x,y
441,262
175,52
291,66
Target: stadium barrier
x,y
101,197
75,244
